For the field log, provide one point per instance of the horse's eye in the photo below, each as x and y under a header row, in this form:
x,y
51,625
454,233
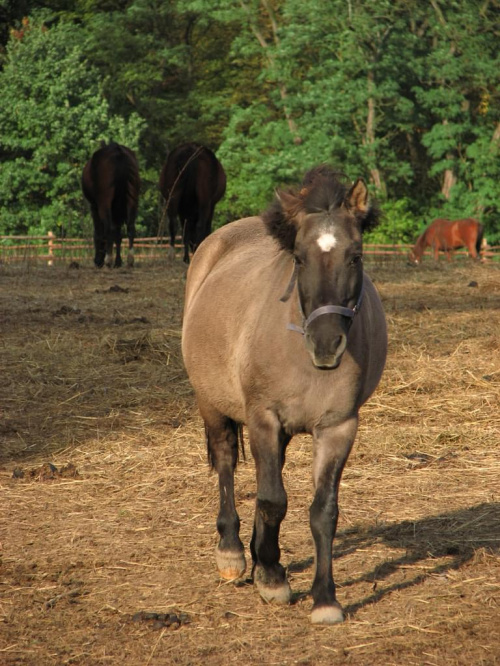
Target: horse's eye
x,y
298,260
356,260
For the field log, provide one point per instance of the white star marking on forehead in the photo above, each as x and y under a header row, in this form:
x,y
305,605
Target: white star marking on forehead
x,y
327,241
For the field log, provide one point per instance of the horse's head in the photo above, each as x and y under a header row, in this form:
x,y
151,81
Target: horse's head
x,y
412,257
322,227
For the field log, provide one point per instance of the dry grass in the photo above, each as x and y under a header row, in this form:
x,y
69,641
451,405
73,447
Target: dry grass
x,y
92,378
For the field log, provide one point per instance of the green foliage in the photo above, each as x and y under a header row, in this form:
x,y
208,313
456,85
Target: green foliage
x,y
397,225
402,93
52,117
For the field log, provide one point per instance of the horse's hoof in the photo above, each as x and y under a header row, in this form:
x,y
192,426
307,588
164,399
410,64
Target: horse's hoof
x,y
276,591
327,614
231,564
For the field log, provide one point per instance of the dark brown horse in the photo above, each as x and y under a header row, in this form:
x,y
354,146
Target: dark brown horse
x,y
449,235
192,181
111,184
285,333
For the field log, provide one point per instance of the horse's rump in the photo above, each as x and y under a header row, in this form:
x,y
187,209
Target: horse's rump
x,y
192,181
111,184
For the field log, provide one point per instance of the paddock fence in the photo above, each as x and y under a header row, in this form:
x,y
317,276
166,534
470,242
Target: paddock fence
x,y
50,249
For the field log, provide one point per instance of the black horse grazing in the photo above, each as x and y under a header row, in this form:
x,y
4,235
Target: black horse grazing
x,y
296,344
192,181
111,183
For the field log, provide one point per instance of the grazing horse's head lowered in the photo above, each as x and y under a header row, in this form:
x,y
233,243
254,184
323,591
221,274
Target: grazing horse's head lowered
x,y
283,332
322,228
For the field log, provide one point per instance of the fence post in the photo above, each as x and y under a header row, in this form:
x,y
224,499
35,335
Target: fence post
x,y
50,260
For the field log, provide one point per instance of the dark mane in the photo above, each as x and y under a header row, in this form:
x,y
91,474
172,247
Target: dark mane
x,y
322,189
277,226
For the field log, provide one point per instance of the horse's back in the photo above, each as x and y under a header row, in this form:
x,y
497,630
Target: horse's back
x,y
243,237
192,170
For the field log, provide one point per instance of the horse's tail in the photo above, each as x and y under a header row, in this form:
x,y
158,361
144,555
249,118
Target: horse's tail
x,y
127,186
479,240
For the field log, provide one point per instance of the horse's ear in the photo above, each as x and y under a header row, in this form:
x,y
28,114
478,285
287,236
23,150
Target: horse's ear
x,y
365,209
291,205
357,198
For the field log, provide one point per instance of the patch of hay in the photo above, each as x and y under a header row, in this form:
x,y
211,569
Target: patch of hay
x,y
92,381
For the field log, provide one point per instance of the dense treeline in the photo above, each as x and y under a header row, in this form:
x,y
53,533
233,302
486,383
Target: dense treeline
x,y
402,92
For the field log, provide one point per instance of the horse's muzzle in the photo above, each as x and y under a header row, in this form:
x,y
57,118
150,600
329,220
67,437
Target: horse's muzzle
x,y
327,356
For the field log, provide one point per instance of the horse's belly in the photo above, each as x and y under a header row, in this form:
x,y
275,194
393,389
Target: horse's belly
x,y
212,365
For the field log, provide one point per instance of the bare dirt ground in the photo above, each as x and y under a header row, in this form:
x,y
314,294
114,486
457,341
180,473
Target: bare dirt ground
x,y
108,509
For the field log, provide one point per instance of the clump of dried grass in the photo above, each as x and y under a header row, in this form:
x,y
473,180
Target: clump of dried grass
x,y
417,549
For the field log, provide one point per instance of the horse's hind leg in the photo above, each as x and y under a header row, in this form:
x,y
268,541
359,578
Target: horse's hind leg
x,y
473,253
268,443
118,244
99,242
131,238
222,443
172,227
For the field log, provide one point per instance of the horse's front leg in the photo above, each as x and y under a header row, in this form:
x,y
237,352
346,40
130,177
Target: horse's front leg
x,y
222,444
331,449
268,443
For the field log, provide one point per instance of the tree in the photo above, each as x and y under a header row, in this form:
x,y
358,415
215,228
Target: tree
x,y
328,91
400,92
458,92
52,117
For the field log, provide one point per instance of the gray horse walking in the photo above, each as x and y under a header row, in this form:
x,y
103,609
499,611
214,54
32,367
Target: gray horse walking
x,y
283,332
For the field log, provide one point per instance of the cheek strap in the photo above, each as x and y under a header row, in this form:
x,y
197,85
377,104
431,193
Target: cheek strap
x,y
324,309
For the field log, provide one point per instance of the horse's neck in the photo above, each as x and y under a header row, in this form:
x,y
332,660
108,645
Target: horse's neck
x,y
420,245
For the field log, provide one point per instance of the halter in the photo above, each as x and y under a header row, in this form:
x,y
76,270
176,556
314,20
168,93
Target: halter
x,y
324,309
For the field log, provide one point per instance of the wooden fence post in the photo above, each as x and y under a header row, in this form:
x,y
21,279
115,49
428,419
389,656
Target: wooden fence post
x,y
50,260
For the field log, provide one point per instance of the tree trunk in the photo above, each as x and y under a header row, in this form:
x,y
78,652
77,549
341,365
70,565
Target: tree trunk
x,y
449,181
370,136
272,61
449,176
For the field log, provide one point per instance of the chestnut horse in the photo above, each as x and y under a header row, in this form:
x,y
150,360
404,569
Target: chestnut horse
x,y
111,184
284,332
448,235
192,181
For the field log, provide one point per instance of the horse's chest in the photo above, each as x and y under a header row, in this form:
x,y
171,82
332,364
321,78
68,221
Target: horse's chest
x,y
304,400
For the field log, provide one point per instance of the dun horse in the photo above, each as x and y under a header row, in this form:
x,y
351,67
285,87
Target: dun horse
x,y
448,235
192,181
110,183
285,333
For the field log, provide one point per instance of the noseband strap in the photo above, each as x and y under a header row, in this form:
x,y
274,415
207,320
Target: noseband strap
x,y
324,309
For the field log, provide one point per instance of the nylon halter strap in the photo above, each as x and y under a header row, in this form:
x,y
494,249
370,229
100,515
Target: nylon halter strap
x,y
324,309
